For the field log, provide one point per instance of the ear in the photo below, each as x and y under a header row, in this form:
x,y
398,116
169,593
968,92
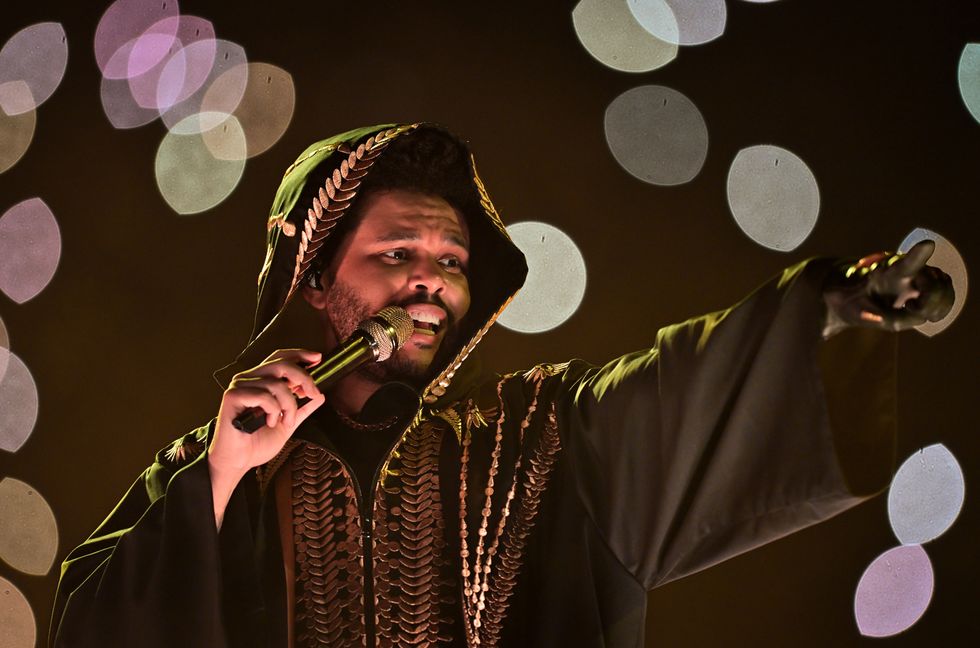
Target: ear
x,y
315,295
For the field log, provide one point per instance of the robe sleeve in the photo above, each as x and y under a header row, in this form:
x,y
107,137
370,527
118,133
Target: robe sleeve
x,y
150,575
735,429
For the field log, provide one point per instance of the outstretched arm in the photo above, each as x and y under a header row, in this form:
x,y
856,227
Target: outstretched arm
x,y
744,425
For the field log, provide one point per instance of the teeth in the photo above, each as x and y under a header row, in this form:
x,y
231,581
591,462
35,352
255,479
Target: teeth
x,y
425,317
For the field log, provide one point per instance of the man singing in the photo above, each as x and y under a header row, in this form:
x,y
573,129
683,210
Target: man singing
x,y
421,501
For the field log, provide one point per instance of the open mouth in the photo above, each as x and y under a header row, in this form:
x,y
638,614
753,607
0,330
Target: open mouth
x,y
426,320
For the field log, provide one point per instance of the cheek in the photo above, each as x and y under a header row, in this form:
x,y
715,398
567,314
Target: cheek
x,y
462,298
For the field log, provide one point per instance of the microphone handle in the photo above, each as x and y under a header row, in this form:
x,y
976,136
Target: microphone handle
x,y
357,350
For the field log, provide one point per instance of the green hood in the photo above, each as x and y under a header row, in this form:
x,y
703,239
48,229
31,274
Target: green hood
x,y
297,232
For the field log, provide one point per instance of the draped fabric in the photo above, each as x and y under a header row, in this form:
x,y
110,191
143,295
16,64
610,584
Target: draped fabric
x,y
732,430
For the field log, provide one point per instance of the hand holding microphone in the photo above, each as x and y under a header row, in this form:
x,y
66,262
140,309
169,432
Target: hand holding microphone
x,y
264,399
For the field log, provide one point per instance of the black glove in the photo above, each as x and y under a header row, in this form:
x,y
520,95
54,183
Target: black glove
x,y
892,292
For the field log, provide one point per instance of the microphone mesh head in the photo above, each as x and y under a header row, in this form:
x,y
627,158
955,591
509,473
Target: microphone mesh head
x,y
389,329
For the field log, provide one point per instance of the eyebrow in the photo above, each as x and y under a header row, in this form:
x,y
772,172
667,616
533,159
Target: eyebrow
x,y
413,235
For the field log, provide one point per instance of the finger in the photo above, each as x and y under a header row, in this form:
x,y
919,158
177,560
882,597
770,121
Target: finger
x,y
309,407
283,369
283,395
915,259
304,356
243,398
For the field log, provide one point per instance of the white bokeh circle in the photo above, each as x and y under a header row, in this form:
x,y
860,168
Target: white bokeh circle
x,y
926,495
555,283
773,196
657,135
610,33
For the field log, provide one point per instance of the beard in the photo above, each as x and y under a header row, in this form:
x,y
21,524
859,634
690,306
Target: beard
x,y
346,310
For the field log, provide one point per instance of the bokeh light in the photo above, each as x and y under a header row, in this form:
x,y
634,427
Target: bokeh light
x,y
684,22
143,87
926,495
610,33
29,535
948,259
555,283
16,131
16,618
264,109
968,76
38,56
189,117
121,108
657,134
773,196
189,176
18,402
187,70
176,76
4,348
120,29
30,248
893,592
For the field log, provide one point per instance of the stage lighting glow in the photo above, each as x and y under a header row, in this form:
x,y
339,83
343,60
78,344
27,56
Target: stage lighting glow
x,y
926,495
657,134
16,131
29,535
121,27
968,75
16,618
120,107
555,283
18,402
264,109
188,175
30,248
36,55
189,117
893,592
684,22
610,33
186,72
948,259
773,196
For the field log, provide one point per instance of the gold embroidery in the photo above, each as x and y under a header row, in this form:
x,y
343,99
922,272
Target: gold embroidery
x,y
329,554
413,580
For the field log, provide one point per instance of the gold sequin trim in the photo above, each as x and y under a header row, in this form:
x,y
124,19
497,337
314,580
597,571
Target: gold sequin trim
x,y
329,554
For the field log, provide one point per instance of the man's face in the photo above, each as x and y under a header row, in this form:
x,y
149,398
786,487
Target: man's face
x,y
410,250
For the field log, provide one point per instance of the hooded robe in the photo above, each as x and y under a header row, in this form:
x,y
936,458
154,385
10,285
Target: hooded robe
x,y
535,508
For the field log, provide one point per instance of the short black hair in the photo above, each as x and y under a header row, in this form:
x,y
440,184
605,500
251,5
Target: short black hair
x,y
429,160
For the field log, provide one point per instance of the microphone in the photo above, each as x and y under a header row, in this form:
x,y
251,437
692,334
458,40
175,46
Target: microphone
x,y
374,340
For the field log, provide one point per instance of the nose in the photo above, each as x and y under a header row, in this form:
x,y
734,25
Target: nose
x,y
427,276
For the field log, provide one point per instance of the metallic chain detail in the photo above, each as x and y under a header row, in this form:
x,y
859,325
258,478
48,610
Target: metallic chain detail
x,y
514,543
327,535
483,611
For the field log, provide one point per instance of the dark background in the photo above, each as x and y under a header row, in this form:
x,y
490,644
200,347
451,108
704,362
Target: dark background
x,y
146,303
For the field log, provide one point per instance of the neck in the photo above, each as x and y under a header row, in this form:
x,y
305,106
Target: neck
x,y
350,394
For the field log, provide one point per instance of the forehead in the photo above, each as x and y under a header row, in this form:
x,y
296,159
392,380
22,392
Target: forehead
x,y
389,212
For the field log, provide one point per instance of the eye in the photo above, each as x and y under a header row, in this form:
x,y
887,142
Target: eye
x,y
452,264
394,256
